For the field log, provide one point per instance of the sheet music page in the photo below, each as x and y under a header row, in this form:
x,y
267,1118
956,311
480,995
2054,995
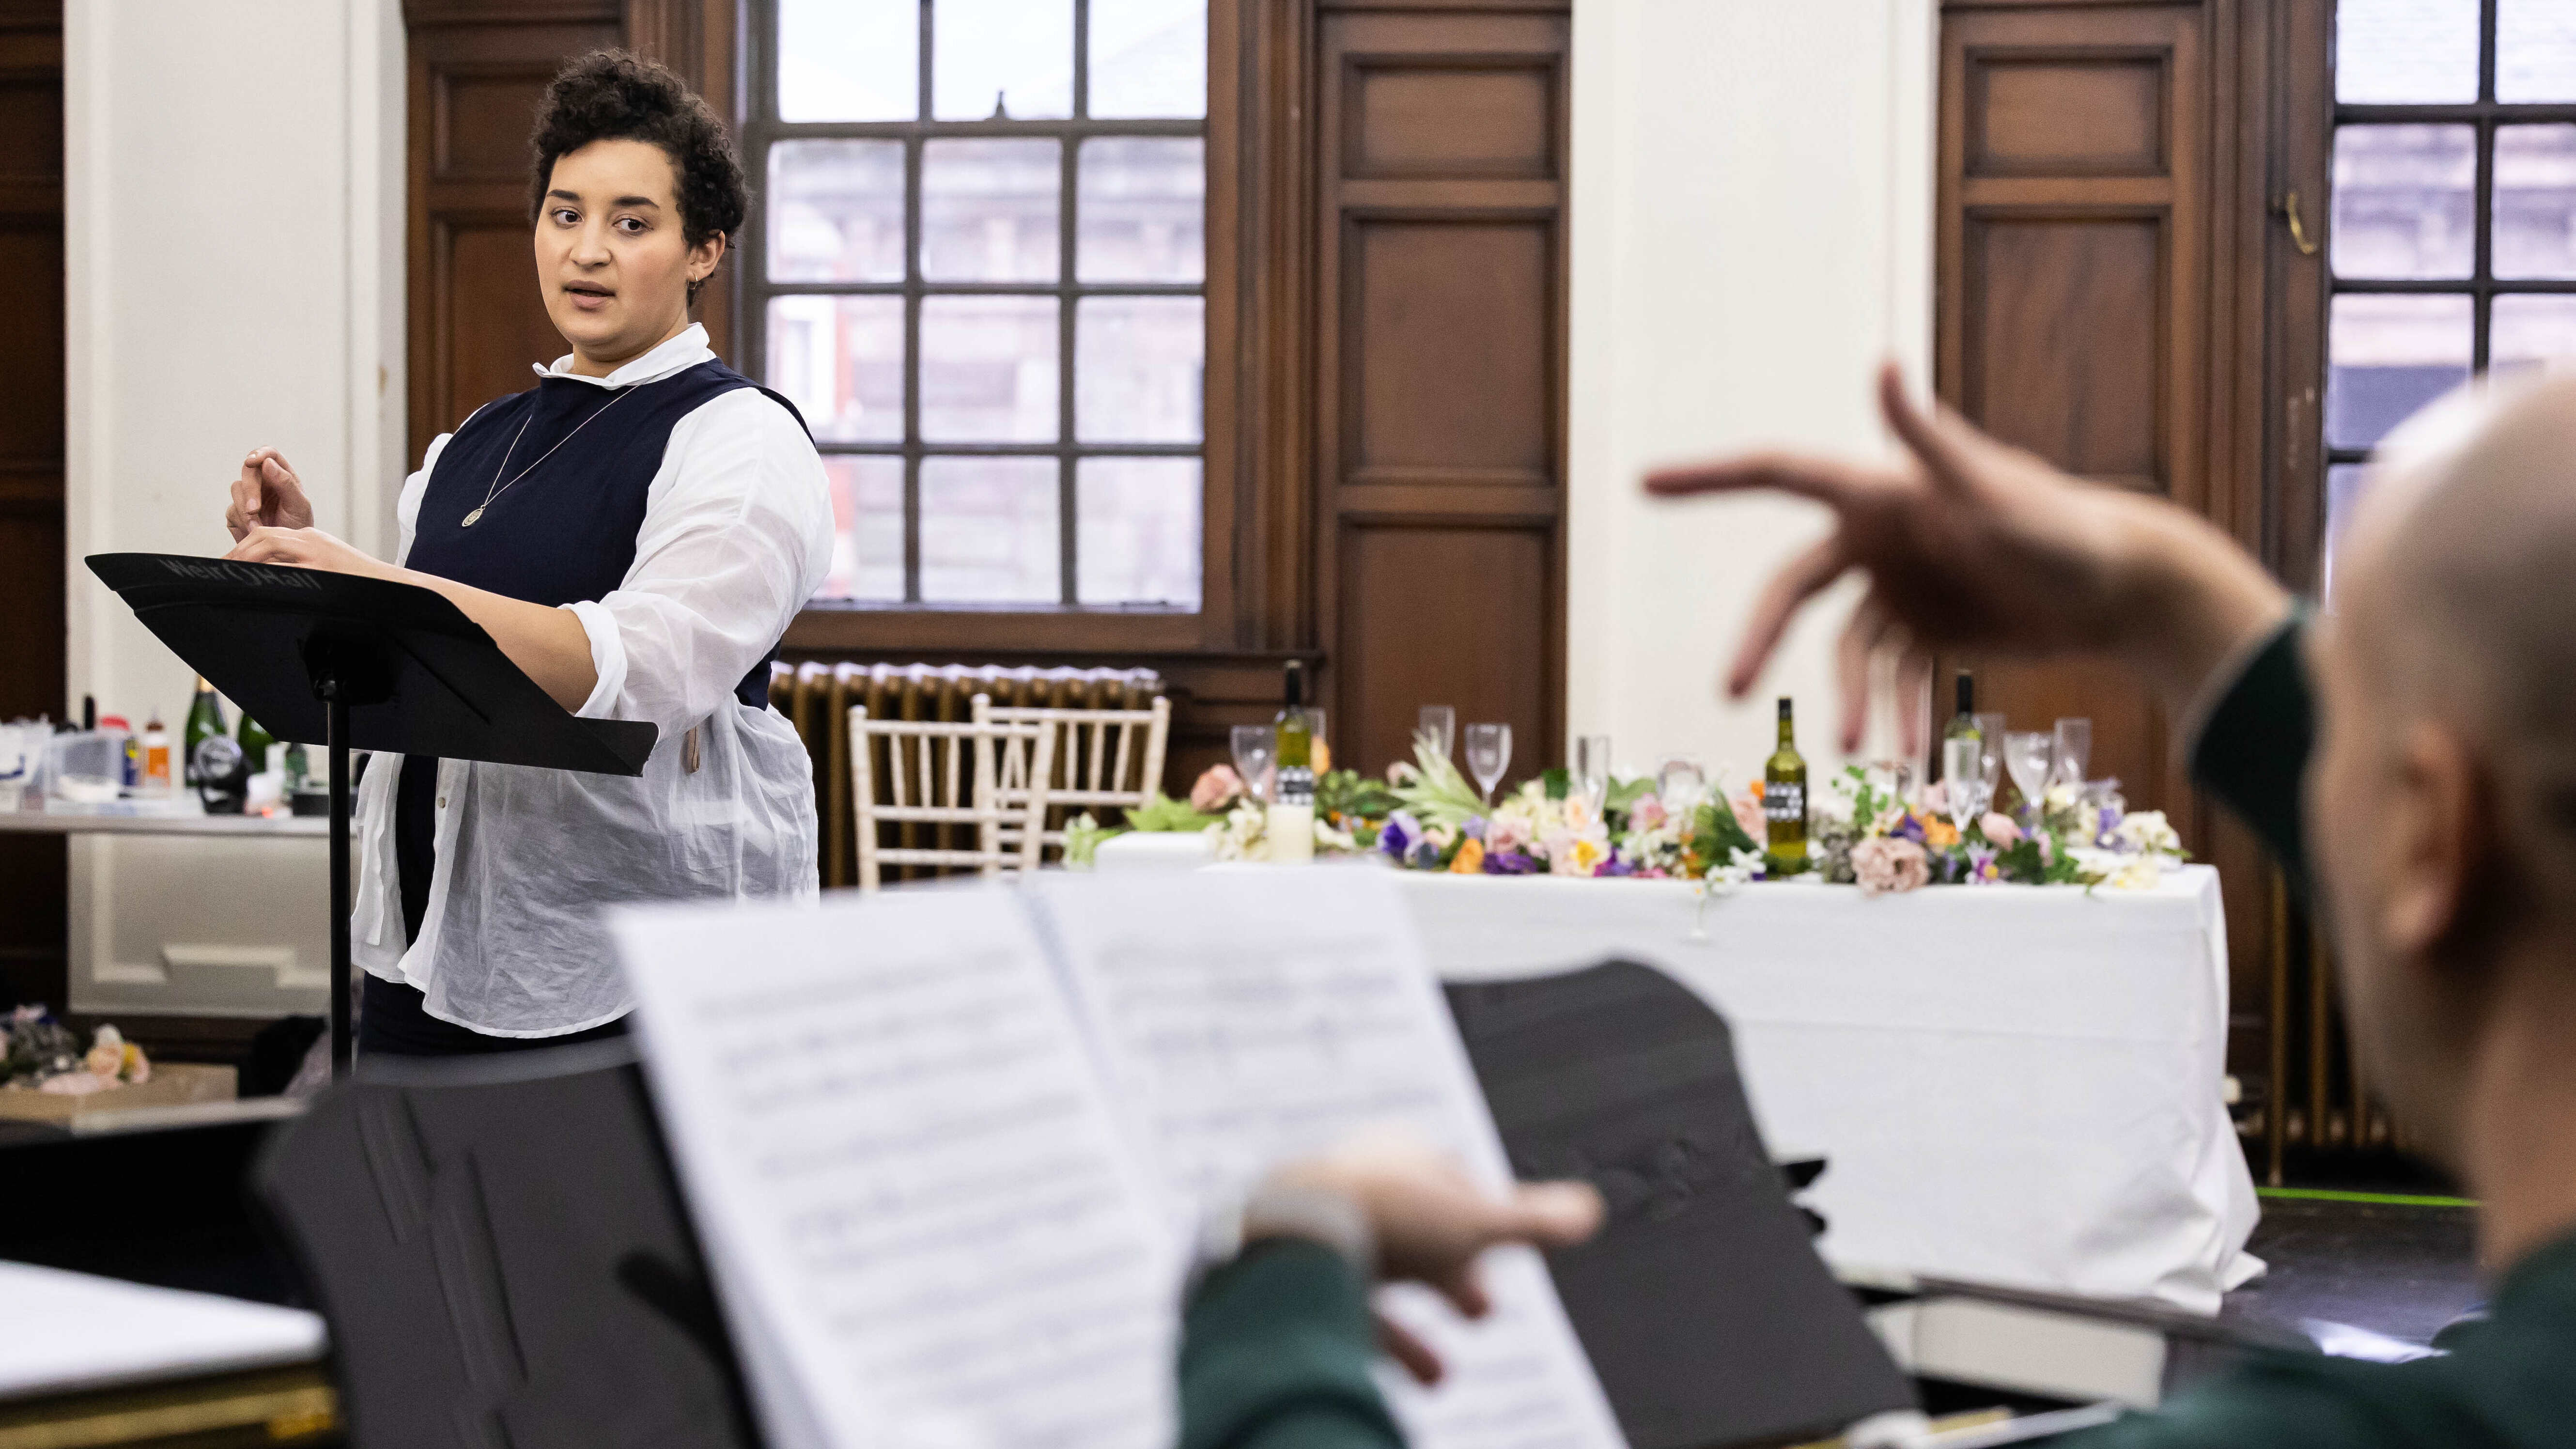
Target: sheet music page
x,y
1254,1015
923,1212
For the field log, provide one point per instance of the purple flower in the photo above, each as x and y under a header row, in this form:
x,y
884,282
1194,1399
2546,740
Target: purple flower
x,y
1473,828
1909,828
1399,835
2110,823
1511,862
1614,866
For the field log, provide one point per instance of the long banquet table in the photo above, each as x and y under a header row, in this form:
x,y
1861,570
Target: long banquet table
x,y
2013,1084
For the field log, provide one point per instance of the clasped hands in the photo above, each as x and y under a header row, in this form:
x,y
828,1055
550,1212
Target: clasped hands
x,y
272,522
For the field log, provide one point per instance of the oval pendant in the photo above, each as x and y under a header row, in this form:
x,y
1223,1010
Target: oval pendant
x,y
469,518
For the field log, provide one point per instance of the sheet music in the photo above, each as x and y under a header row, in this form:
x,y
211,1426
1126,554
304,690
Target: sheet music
x,y
1251,1016
897,1147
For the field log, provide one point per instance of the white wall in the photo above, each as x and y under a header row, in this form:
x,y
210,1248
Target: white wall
x,y
1752,234
234,222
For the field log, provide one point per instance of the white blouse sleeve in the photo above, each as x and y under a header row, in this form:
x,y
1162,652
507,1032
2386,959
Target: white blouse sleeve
x,y
407,502
737,536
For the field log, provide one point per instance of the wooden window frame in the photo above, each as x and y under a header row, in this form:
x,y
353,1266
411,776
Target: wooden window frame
x,y
1064,628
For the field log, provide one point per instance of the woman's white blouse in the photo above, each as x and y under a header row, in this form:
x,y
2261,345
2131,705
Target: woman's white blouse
x,y
737,535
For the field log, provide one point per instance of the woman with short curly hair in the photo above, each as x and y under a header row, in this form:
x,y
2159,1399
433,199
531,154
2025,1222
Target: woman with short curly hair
x,y
635,532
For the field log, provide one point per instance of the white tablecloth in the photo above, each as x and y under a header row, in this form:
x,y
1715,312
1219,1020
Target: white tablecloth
x,y
2013,1084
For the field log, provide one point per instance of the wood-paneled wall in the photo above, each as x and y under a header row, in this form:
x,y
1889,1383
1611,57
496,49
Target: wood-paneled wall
x,y
2100,261
33,950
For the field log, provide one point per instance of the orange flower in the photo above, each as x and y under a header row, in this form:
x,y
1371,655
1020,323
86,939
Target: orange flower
x,y
1470,859
1323,757
1940,834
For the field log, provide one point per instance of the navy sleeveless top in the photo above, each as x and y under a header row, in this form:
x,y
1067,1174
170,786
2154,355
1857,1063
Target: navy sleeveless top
x,y
562,533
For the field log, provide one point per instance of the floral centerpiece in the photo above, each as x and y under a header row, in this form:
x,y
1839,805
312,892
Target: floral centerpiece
x,y
40,1054
1863,831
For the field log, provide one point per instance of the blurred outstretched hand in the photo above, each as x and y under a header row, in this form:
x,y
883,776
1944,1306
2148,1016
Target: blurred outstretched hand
x,y
1970,544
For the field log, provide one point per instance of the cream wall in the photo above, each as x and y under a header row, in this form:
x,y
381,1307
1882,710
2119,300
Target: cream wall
x,y
1751,234
234,218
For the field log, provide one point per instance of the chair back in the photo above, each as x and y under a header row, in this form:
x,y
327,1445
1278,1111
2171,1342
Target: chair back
x,y
1096,752
941,772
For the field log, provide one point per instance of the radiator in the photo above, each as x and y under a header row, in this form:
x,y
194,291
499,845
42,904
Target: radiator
x,y
2318,1100
816,698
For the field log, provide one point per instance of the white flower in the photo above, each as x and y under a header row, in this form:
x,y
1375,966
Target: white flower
x,y
2146,833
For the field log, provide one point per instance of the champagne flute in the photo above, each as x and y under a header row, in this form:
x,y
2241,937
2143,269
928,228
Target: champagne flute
x,y
2074,752
1254,747
1990,750
1680,781
1439,722
1489,754
1592,769
1962,781
2026,754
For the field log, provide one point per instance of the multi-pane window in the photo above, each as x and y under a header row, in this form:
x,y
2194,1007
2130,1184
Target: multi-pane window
x,y
2452,247
979,269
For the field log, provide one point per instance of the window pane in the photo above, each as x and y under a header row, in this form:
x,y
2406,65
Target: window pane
x,y
988,369
988,210
2536,50
2405,201
2532,331
2406,50
1143,210
1002,57
1138,369
1148,57
840,360
836,211
2535,201
1136,535
849,60
2388,356
988,531
867,528
2343,494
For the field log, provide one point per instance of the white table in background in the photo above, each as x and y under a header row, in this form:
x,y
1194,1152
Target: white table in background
x,y
67,822
2012,1084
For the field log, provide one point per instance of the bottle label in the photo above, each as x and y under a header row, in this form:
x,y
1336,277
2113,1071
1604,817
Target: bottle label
x,y
1784,801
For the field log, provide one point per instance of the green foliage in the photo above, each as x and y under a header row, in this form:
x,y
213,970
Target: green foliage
x,y
1559,783
1082,837
1352,797
2022,862
1437,794
1163,813
1716,835
1624,794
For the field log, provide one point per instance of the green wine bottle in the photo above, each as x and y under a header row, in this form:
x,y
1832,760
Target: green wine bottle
x,y
1296,755
1784,793
205,717
255,743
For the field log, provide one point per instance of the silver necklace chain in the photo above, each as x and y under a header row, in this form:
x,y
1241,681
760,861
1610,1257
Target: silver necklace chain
x,y
498,487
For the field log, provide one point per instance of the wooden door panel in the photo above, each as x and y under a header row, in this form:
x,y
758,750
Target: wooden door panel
x,y
498,323
1447,348
2062,355
1440,437
2072,253
1479,658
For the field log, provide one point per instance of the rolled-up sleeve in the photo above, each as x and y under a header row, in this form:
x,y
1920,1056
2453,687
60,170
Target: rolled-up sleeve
x,y
737,535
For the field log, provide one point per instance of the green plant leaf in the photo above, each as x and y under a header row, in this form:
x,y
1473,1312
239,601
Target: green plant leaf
x,y
1559,783
1162,813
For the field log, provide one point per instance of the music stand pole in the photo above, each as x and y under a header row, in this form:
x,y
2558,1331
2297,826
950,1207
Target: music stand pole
x,y
335,714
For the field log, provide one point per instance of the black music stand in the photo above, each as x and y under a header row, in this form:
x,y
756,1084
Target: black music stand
x,y
348,662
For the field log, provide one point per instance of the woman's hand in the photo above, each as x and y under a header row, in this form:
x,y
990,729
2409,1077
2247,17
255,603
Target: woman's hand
x,y
268,494
307,548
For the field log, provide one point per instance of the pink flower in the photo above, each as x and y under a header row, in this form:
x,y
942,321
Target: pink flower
x,y
1935,799
1999,828
1215,789
1747,805
1884,865
1646,813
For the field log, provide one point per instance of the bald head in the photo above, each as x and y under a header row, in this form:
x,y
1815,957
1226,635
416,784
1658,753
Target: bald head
x,y
2458,596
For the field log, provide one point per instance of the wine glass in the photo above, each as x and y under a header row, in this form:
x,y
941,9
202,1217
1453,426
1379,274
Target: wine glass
x,y
1592,769
1254,748
1440,723
2026,754
2074,752
1680,781
1489,754
1990,753
1963,781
